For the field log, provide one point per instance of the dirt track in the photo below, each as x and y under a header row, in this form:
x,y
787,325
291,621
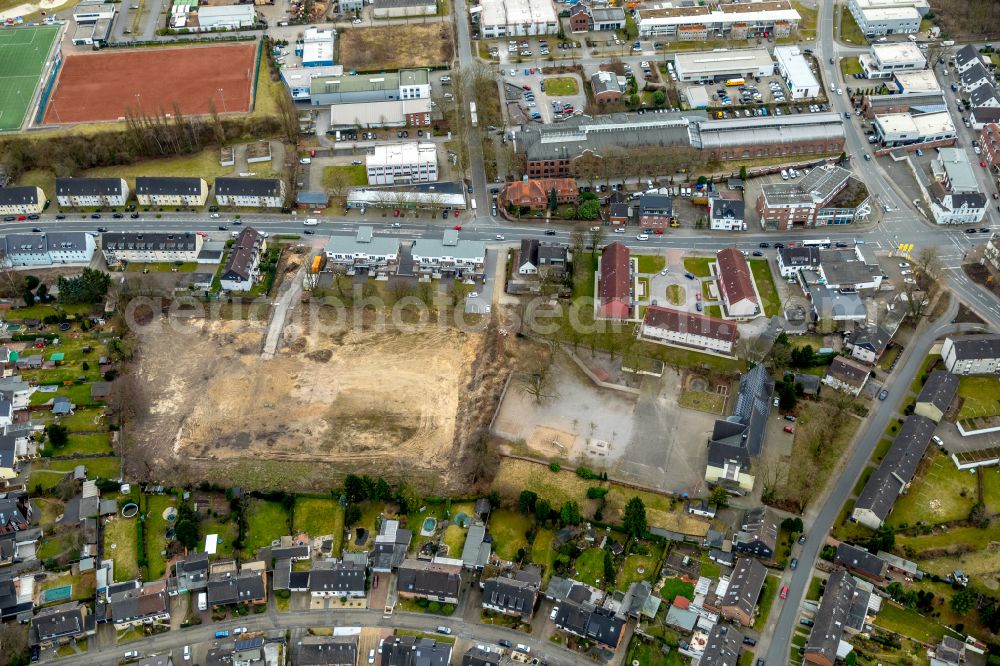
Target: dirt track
x,y
371,401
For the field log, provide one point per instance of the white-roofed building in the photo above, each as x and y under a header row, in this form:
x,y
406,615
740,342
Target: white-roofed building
x,y
226,17
885,60
404,8
517,18
901,129
723,64
922,80
299,79
449,256
776,18
400,163
887,17
795,69
317,47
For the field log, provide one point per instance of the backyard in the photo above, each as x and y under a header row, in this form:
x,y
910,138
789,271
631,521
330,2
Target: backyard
x,y
940,493
508,529
266,522
120,540
765,285
636,568
910,623
979,396
47,474
590,567
318,516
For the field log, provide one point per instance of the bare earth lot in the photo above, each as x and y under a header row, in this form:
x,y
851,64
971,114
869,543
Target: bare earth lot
x,y
385,402
396,47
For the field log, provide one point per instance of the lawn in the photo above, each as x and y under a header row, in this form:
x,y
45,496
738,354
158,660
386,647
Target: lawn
x,y
560,86
336,177
204,163
651,263
83,584
266,522
991,489
970,536
542,552
980,396
42,311
767,595
58,543
78,394
703,401
648,653
765,285
713,311
676,294
48,474
699,266
675,587
807,25
317,516
96,443
849,30
84,420
155,533
590,567
508,529
454,538
370,512
709,569
227,530
629,572
910,623
813,593
120,539
940,493
163,267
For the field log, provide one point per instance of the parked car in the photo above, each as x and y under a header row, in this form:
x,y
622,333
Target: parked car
x,y
793,565
118,216
784,592
689,276
806,622
749,641
443,630
883,394
802,538
555,611
503,642
222,634
938,440
789,429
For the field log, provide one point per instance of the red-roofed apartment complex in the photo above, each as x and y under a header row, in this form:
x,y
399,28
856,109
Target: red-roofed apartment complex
x,y
535,193
687,329
614,283
736,284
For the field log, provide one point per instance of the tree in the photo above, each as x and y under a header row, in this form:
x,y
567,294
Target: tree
x,y
553,200
538,385
408,497
929,261
354,489
526,501
659,98
569,514
89,287
543,509
352,514
634,520
719,497
962,601
743,173
609,568
589,210
787,398
883,539
58,434
186,526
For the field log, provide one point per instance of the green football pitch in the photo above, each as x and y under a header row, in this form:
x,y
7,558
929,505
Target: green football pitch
x,y
23,54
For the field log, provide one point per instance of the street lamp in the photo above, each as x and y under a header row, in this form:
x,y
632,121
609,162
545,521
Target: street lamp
x,y
223,100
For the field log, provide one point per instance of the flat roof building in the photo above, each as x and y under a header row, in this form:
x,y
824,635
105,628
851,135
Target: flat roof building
x,y
723,64
734,21
888,17
901,129
884,60
796,71
922,80
517,18
401,163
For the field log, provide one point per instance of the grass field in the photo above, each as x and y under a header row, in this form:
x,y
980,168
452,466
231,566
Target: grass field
x,y
454,538
508,529
590,567
542,552
698,266
807,25
703,401
675,587
48,474
849,30
629,573
675,294
850,66
205,164
23,53
155,534
713,311
120,539
910,623
940,493
396,46
765,285
651,263
767,595
561,85
354,175
266,521
317,516
96,443
980,396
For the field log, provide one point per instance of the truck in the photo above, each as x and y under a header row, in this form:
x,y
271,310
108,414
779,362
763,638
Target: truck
x,y
472,114
202,601
310,222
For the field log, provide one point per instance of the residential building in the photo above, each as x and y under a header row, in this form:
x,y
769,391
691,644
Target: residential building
x,y
867,344
242,267
954,195
517,18
608,87
614,283
758,534
511,596
723,646
736,285
60,624
391,545
137,606
793,259
905,129
401,163
798,75
846,270
937,395
479,656
250,192
21,200
737,440
540,258
895,472
860,562
888,17
775,18
688,329
48,249
364,252
228,587
190,575
600,625
823,645
884,60
711,66
426,580
413,651
967,57
170,191
655,211
983,96
327,651
449,257
847,375
949,652
974,77
989,141
739,603
810,201
342,579
972,354
91,192
150,247
537,193
769,136
477,549
726,214
588,18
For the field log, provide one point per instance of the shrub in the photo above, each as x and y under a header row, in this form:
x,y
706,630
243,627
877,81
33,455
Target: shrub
x,y
555,467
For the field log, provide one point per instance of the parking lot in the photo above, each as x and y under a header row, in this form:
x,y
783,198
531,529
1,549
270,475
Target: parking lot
x,y
534,99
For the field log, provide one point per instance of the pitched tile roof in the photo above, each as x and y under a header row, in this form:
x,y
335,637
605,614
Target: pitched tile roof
x,y
690,322
735,277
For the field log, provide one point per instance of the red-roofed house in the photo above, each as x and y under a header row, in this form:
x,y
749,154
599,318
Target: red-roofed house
x,y
614,283
681,602
687,329
736,284
534,193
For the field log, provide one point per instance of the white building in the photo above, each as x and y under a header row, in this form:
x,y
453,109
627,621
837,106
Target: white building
x,y
389,113
972,354
92,11
363,251
400,163
91,192
21,200
885,60
731,20
723,64
150,247
299,79
795,69
404,8
250,192
226,17
727,214
171,191
54,248
242,267
687,329
922,80
317,47
900,129
888,17
967,57
517,18
449,257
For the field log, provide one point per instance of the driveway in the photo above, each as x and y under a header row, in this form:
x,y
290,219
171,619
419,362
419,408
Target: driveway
x,y
483,301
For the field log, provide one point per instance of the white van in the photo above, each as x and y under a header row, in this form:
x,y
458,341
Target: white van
x,y
784,174
310,222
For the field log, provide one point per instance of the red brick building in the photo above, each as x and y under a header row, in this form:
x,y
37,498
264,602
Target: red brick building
x,y
579,18
534,193
989,142
614,283
736,284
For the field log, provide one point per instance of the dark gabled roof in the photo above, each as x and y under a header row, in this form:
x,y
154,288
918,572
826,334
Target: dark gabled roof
x,y
154,185
137,603
873,337
412,651
150,241
974,347
753,406
860,560
584,619
898,467
799,256
479,657
758,525
728,209
343,577
939,390
426,579
655,204
982,95
18,196
248,187
848,370
319,651
76,187
514,596
745,585
833,611
242,254
529,252
986,114
975,73
966,54
63,621
723,646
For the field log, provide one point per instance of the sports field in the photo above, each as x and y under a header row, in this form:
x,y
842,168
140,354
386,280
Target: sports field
x,y
23,54
110,84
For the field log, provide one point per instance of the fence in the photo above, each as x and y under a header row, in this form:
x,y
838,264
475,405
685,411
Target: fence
x,y
179,42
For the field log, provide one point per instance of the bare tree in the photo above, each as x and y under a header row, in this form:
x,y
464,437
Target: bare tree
x,y
770,476
928,261
538,385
